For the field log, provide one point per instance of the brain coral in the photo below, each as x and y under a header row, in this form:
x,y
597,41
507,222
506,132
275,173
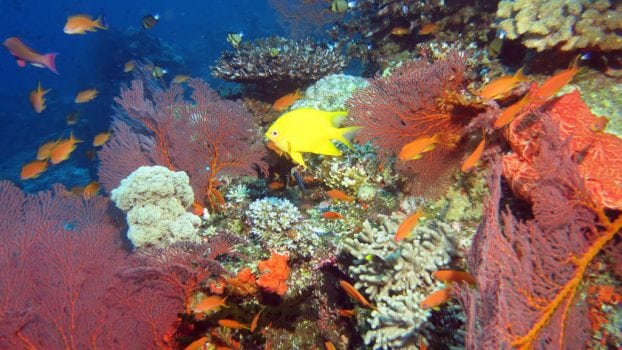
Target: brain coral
x,y
569,24
155,200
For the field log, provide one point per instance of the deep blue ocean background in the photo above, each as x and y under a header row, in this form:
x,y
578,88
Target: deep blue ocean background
x,y
187,39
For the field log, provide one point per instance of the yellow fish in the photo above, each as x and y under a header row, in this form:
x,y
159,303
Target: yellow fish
x,y
307,130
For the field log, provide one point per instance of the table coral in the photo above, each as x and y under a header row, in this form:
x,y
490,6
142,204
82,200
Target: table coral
x,y
568,24
396,277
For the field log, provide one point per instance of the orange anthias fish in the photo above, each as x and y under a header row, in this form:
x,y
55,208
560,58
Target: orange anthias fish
x,y
454,276
36,98
86,96
90,190
233,324
101,138
255,321
553,84
429,28
346,312
498,88
408,225
210,303
437,298
197,344
339,195
63,149
400,31
355,294
33,169
510,113
414,149
329,345
333,215
471,160
286,101
23,54
44,151
80,24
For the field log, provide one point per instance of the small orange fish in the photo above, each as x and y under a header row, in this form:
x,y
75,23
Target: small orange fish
x,y
509,113
435,299
197,344
346,312
36,98
80,24
129,66
454,276
400,31
498,88
276,185
333,215
23,54
429,28
339,195
471,160
286,101
90,190
329,345
197,209
101,138
552,85
414,149
210,303
406,227
44,151
180,79
85,96
255,321
63,149
355,294
233,324
33,169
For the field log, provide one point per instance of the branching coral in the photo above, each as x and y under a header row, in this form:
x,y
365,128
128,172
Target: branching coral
x,y
568,24
277,60
396,277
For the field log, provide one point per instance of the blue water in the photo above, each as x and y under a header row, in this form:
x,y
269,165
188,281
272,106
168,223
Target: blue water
x,y
187,39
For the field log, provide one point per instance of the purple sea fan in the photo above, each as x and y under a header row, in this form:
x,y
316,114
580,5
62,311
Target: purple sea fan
x,y
528,272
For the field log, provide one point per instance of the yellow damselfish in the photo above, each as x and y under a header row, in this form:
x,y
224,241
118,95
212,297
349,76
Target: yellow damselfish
x,y
307,130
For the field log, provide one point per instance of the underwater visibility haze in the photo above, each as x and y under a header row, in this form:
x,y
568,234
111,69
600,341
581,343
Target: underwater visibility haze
x,y
311,174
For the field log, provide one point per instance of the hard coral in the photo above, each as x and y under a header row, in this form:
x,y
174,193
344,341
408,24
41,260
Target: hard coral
x,y
569,24
599,154
274,273
277,60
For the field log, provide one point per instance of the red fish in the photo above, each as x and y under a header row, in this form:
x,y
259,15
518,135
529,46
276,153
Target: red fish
x,y
435,299
333,215
553,84
36,98
356,295
471,160
233,324
454,276
408,225
23,54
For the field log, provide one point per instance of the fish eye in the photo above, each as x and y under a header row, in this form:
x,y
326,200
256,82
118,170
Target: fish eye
x,y
274,133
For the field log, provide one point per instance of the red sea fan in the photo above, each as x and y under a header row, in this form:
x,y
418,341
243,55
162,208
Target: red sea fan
x,y
528,273
207,139
418,99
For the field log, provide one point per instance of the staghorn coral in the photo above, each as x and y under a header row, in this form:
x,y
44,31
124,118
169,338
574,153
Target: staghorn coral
x,y
276,60
155,200
396,277
567,24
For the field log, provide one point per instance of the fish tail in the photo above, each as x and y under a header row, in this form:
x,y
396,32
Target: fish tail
x,y
519,76
343,134
337,117
49,60
101,21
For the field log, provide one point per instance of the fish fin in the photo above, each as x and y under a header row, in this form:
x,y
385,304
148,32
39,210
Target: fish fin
x,y
519,76
297,158
49,60
344,133
20,62
336,117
